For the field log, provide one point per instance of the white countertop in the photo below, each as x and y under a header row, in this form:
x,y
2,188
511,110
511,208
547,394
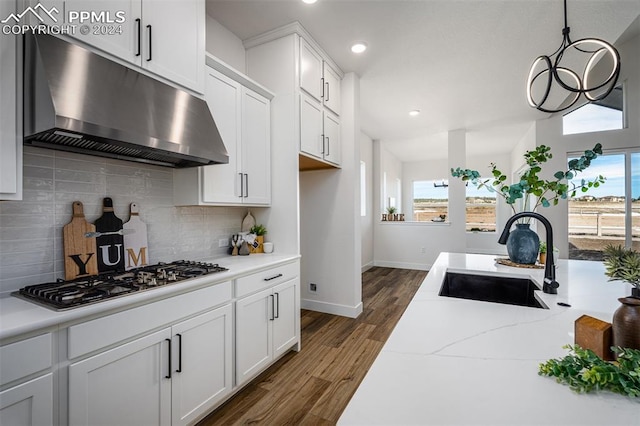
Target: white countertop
x,y
18,316
455,361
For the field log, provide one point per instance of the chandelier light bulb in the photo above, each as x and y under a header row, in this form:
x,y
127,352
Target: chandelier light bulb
x,y
547,73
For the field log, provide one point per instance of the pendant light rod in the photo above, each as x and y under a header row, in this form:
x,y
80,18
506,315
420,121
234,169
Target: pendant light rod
x,y
548,74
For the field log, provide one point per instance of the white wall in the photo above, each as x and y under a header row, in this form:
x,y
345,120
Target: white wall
x,y
366,222
224,45
330,221
391,169
549,132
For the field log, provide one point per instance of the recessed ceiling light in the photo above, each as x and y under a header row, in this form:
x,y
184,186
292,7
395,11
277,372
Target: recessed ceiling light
x,y
414,112
359,47
309,1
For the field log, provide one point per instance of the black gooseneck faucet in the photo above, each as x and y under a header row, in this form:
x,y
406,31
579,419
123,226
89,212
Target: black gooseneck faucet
x,y
550,284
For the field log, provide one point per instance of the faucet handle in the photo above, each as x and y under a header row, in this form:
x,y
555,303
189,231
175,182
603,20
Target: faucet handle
x,y
550,286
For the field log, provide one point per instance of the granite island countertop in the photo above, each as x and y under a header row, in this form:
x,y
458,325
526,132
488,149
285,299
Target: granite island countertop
x,y
455,361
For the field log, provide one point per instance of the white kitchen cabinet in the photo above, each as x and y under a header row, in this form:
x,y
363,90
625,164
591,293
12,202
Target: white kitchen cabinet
x,y
318,78
173,376
167,38
243,118
28,404
332,148
288,61
319,131
10,111
127,385
331,93
267,325
25,367
203,364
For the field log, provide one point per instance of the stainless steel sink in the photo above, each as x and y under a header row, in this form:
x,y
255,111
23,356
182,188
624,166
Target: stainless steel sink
x,y
496,289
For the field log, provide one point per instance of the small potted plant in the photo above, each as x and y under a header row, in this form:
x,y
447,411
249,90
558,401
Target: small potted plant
x,y
542,252
259,231
624,265
391,213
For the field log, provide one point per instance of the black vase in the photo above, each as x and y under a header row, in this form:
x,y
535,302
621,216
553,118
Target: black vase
x,y
523,245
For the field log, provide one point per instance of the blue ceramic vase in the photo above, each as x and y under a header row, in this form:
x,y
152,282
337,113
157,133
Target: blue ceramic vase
x,y
523,245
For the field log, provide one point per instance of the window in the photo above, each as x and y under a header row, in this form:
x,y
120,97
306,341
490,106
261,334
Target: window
x,y
609,214
430,200
480,209
606,114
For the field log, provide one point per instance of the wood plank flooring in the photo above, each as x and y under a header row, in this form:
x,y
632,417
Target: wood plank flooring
x,y
313,386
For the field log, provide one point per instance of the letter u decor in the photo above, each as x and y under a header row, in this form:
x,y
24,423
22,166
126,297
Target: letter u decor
x,y
111,243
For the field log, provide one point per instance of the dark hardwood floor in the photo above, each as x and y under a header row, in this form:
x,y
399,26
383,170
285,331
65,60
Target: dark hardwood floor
x,y
313,386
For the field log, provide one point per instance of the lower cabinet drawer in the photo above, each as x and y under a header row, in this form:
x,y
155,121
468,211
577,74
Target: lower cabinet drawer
x,y
101,332
25,357
265,279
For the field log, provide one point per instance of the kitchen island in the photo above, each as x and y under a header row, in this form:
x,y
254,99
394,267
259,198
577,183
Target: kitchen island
x,y
457,361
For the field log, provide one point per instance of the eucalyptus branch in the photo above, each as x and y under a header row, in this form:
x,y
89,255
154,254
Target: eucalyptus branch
x,y
531,184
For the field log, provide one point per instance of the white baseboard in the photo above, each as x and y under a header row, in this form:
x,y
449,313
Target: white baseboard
x,y
402,265
368,266
332,308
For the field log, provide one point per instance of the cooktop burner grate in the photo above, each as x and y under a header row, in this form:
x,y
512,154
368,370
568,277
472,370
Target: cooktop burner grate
x,y
61,295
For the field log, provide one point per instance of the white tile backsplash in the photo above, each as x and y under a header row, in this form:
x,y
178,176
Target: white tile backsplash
x,y
31,248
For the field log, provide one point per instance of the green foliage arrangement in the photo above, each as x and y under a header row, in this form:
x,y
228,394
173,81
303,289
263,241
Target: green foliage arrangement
x,y
258,230
622,264
543,247
546,192
584,371
391,210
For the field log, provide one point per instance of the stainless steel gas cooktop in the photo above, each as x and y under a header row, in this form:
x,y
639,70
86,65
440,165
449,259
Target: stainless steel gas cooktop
x,y
61,295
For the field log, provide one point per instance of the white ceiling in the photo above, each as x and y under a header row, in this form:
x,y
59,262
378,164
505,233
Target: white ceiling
x,y
463,63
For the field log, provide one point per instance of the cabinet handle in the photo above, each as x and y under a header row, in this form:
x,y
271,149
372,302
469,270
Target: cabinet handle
x,y
272,307
241,185
273,277
139,26
327,84
322,141
277,305
328,146
246,184
168,376
150,44
322,84
179,370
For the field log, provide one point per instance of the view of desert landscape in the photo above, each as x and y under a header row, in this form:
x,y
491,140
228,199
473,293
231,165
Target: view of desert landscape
x,y
593,222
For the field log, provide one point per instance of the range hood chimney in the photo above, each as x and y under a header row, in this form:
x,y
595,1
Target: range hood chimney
x,y
76,100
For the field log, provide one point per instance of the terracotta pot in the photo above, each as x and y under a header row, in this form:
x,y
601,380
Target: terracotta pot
x,y
626,323
542,258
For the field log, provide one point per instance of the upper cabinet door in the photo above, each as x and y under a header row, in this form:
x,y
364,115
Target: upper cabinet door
x,y
332,146
117,34
256,147
10,113
331,89
311,137
173,37
310,70
221,183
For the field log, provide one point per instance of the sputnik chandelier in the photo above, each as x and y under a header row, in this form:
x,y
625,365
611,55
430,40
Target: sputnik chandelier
x,y
552,86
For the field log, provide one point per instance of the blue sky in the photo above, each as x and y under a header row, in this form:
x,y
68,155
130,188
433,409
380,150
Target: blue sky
x,y
609,166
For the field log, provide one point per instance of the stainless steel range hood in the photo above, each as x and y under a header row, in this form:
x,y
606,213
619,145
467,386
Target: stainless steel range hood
x,y
76,100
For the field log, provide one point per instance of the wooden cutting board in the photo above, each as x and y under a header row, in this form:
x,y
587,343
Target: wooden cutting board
x,y
248,222
80,255
110,246
136,250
